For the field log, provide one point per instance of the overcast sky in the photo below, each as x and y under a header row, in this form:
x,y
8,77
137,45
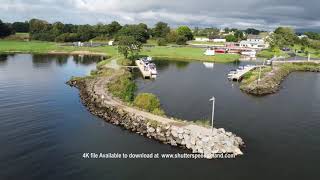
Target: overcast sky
x,y
261,14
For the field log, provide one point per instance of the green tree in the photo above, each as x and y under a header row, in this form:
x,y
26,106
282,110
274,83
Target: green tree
x,y
161,29
22,27
162,42
252,31
282,37
5,30
172,37
138,32
185,31
239,35
181,40
231,38
128,45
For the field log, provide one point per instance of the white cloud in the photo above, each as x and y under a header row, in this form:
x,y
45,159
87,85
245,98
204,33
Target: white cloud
x,y
232,13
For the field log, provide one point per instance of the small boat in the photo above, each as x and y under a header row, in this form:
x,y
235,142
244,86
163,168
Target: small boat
x,y
232,73
149,58
153,69
209,52
249,53
220,51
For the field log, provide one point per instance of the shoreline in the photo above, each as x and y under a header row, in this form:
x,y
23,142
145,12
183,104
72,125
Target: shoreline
x,y
270,83
89,53
198,139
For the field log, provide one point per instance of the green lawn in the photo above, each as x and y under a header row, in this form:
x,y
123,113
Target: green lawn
x,y
47,47
187,53
314,53
267,53
209,43
159,52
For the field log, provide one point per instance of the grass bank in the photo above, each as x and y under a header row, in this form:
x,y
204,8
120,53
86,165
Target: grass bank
x,y
41,47
268,54
187,54
159,52
272,78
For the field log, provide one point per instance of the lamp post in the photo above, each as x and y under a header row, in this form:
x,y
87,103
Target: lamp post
x,y
260,71
212,115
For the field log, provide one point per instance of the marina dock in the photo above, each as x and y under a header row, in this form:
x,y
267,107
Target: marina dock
x,y
145,73
239,74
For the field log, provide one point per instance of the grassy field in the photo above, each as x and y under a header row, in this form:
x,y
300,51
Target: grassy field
x,y
267,53
158,52
209,43
47,47
186,53
314,53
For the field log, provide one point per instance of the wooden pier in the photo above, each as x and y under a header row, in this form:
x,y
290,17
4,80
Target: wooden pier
x,y
239,75
145,73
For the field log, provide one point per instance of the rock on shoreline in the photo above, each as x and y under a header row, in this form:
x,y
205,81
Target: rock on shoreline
x,y
196,138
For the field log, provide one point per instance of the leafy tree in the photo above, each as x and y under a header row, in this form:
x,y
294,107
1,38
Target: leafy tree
x,y
22,27
231,38
185,31
181,40
239,35
283,37
172,37
113,28
313,35
5,30
138,32
252,31
162,42
85,32
128,45
57,28
161,29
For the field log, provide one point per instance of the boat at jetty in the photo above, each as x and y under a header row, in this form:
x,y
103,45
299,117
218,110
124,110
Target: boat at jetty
x,y
238,73
147,68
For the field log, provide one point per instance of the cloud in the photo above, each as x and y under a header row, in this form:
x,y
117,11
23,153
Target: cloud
x,y
263,14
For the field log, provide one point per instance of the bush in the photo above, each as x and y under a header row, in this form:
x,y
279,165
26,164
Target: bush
x,y
123,87
161,42
148,102
181,40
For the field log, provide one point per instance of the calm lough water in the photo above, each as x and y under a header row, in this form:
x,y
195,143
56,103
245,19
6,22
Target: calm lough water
x,y
44,128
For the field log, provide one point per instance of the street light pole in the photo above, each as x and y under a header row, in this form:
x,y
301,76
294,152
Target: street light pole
x,y
260,71
212,115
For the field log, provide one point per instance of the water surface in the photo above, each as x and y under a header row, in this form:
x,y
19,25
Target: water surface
x,y
44,128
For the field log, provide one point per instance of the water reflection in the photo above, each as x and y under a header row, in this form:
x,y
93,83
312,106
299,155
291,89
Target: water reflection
x,y
41,60
3,59
208,65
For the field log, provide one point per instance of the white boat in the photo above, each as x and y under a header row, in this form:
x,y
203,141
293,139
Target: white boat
x,y
148,66
209,52
249,53
149,58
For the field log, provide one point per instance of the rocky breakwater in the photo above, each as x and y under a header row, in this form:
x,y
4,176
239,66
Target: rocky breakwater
x,y
271,82
197,138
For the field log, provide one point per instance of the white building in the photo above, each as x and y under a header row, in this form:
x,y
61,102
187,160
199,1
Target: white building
x,y
302,36
110,43
202,39
219,40
254,41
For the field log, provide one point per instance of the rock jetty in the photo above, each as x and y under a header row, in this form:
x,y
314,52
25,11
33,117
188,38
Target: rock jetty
x,y
197,138
271,82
